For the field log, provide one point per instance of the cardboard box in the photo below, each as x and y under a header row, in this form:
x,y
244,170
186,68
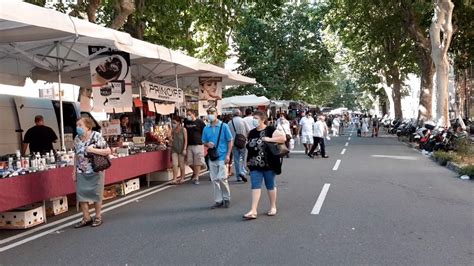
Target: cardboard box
x,y
22,218
130,186
167,175
110,192
56,206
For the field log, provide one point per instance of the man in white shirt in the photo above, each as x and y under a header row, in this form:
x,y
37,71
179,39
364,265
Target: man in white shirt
x,y
306,131
320,130
249,118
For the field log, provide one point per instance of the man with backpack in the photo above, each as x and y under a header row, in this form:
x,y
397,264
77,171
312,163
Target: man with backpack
x,y
239,130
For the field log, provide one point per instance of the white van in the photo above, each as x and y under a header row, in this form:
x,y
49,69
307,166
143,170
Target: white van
x,y
17,116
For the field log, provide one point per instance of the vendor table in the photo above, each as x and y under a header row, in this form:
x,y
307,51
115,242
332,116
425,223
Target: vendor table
x,y
26,189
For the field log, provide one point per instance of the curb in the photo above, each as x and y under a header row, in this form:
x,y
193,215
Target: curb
x,y
450,165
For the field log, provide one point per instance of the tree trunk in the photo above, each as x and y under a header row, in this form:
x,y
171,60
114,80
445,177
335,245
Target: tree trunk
x,y
91,10
426,87
397,95
135,25
413,26
441,32
124,8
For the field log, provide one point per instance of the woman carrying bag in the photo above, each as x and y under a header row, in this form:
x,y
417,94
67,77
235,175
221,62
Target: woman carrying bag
x,y
89,180
263,164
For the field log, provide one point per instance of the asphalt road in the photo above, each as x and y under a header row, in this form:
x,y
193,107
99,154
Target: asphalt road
x,y
385,204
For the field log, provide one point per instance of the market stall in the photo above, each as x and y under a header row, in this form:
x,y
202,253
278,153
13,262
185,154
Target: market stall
x,y
51,46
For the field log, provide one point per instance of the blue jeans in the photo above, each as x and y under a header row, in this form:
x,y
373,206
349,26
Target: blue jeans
x,y
257,177
239,161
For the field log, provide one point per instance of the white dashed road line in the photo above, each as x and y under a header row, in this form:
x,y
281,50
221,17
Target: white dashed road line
x,y
336,166
320,200
347,144
395,157
343,151
349,138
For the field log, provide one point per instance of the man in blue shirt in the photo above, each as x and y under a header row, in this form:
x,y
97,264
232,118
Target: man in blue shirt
x,y
217,168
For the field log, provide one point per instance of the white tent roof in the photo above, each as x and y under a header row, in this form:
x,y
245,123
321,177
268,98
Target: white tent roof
x,y
245,100
30,45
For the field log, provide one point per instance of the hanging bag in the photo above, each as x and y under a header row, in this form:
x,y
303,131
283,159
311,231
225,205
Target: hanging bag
x,y
240,139
213,152
99,162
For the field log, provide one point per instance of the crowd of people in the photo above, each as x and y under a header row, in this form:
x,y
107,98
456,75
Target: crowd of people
x,y
237,145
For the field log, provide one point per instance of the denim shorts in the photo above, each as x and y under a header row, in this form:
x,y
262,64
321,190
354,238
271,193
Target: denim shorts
x,y
257,177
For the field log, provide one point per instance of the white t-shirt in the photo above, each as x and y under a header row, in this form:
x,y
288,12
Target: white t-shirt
x,y
307,126
318,129
249,121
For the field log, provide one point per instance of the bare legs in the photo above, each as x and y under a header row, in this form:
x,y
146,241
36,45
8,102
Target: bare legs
x,y
256,193
85,210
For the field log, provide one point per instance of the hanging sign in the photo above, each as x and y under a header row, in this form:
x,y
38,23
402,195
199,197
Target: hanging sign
x,y
111,128
210,94
111,79
162,93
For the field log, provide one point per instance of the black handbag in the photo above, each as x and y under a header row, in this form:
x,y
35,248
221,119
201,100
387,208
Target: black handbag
x,y
240,140
278,149
213,153
99,162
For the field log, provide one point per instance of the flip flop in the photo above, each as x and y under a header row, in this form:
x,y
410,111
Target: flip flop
x,y
272,212
248,217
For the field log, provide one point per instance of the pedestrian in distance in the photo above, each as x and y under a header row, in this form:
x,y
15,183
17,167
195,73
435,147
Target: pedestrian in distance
x,y
179,140
375,127
320,132
239,130
194,150
249,118
89,184
218,139
336,123
40,138
263,165
284,126
365,126
306,131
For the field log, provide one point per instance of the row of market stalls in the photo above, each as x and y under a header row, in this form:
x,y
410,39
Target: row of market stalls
x,y
43,44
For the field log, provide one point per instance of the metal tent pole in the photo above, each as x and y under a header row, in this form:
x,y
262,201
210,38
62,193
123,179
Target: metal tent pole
x,y
61,111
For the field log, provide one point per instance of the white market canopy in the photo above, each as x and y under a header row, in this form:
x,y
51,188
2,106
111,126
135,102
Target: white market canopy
x,y
44,41
244,101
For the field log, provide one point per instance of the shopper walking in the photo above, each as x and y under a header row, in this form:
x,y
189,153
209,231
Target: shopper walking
x,y
264,166
179,140
89,184
249,118
239,130
284,126
218,139
365,126
375,127
195,151
336,123
306,131
320,131
40,138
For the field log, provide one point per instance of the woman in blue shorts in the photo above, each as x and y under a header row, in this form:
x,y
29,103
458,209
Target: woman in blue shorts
x,y
262,164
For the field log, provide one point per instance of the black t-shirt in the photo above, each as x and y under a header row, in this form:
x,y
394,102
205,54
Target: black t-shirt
x,y
40,138
258,157
194,129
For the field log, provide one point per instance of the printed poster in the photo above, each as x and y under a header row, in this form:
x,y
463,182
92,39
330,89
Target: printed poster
x,y
111,79
210,94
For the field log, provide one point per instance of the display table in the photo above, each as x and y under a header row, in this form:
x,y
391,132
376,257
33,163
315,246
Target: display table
x,y
26,189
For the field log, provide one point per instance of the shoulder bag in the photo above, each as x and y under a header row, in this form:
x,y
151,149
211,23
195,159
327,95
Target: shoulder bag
x,y
99,162
240,139
278,149
213,152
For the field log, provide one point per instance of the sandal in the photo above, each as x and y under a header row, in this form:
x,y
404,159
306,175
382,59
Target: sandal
x,y
83,223
249,216
97,222
272,212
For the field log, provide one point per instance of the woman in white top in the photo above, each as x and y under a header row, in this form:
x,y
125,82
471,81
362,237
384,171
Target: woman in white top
x,y
284,126
365,126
